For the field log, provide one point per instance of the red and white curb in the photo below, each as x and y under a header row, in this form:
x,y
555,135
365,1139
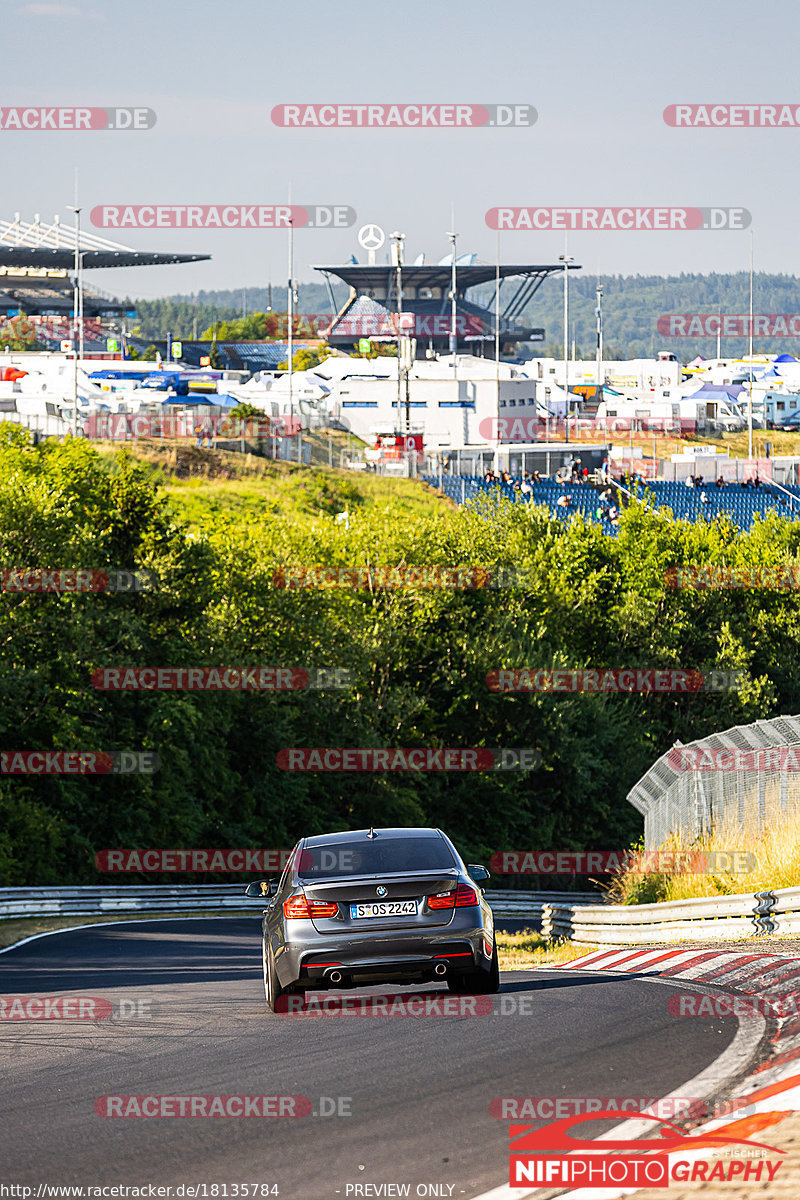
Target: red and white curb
x,y
763,1098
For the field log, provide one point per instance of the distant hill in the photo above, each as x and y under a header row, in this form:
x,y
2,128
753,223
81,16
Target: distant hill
x,y
632,305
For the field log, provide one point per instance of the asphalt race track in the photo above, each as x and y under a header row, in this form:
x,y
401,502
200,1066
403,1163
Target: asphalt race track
x,y
418,1089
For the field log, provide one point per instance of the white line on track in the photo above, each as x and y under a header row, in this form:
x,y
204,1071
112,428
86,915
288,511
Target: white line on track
x,y
136,921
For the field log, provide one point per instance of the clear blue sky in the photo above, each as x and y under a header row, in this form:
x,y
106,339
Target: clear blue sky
x,y
599,76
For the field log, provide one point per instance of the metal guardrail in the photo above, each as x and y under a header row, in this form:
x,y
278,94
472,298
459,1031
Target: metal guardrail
x,y
531,906
202,897
581,917
749,914
85,901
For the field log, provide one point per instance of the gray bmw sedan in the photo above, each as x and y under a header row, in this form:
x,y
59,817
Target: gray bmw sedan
x,y
376,906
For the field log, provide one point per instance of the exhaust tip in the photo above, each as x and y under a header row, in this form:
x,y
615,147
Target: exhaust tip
x,y
440,969
335,977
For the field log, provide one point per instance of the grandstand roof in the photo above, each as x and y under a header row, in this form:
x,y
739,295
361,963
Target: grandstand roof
x,y
426,289
38,245
369,277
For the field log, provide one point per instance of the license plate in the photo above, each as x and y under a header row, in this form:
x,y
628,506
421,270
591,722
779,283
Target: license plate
x,y
385,908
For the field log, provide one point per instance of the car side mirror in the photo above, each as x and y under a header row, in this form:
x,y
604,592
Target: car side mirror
x,y
261,889
477,873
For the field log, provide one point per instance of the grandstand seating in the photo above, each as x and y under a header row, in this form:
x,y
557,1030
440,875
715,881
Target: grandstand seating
x,y
738,502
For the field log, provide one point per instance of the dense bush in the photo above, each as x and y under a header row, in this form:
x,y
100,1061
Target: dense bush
x,y
418,661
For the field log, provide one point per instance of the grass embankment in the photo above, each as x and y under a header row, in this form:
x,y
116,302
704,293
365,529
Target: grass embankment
x,y
519,951
203,484
775,864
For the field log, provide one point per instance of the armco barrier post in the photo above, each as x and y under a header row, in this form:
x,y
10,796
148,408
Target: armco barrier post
x,y
763,913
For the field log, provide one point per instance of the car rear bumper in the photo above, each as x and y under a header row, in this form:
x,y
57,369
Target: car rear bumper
x,y
371,958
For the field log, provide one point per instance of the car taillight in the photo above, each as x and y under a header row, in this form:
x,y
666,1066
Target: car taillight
x,y
461,897
301,907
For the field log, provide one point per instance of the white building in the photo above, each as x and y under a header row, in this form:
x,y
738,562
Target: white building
x,y
451,403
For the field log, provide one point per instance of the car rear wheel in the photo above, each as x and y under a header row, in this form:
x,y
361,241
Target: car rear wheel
x,y
272,989
478,982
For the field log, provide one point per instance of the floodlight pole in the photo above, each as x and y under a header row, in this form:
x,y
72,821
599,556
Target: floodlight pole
x,y
497,346
566,259
290,312
599,315
453,337
77,312
750,397
398,240
81,332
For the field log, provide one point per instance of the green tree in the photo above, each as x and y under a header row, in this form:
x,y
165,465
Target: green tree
x,y
307,357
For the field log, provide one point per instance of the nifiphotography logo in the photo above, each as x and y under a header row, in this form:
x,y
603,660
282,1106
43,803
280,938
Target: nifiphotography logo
x,y
550,1156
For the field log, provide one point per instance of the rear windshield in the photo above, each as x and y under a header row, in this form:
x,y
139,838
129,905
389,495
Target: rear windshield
x,y
366,857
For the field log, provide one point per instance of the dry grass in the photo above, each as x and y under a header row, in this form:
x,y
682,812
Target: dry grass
x,y
203,484
776,864
520,951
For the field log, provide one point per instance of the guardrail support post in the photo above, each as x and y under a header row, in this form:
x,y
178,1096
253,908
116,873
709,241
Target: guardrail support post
x,y
762,913
547,922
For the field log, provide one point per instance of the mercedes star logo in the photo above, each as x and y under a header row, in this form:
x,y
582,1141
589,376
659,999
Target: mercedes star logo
x,y
371,237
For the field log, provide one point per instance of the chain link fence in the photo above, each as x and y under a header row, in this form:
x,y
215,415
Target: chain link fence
x,y
746,778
